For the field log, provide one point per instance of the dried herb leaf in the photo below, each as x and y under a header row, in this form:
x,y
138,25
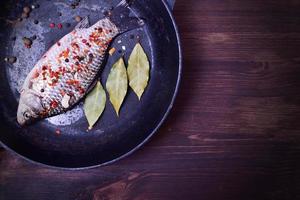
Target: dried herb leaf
x,y
138,70
94,104
116,84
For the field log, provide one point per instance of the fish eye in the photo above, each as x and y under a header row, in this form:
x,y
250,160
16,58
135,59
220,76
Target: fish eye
x,y
26,115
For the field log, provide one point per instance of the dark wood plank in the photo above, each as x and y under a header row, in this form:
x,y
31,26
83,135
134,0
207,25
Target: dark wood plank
x,y
234,132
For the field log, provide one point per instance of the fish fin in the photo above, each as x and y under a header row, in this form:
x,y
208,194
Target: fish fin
x,y
84,23
124,17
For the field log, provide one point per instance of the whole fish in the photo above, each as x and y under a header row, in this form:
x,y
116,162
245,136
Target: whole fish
x,y
65,73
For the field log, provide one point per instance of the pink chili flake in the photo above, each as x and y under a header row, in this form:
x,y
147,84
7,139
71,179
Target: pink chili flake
x,y
59,26
58,132
52,25
53,104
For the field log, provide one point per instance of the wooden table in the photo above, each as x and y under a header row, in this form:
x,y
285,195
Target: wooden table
x,y
234,132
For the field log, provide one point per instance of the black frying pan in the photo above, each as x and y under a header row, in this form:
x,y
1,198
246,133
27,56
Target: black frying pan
x,y
63,141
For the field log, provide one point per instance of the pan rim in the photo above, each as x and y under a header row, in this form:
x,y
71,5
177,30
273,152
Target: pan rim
x,y
147,139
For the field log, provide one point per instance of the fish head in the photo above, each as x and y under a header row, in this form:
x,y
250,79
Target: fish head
x,y
30,107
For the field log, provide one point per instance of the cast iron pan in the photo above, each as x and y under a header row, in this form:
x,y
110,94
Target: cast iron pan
x,y
63,141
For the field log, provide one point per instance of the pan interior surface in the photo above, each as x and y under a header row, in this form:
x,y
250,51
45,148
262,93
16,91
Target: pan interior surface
x,y
112,137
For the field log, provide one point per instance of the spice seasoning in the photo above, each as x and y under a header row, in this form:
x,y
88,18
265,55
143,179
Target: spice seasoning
x,y
26,9
27,42
78,18
112,51
59,26
58,132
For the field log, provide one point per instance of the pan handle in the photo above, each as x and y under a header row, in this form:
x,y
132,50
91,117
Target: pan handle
x,y
171,3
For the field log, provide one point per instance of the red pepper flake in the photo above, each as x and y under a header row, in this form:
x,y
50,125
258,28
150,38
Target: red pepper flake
x,y
58,43
52,25
72,82
76,82
44,67
53,104
81,90
79,69
56,75
51,74
59,26
58,132
75,45
75,57
65,53
100,30
69,82
84,40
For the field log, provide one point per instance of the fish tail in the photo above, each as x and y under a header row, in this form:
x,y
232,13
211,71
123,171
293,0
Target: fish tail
x,y
124,17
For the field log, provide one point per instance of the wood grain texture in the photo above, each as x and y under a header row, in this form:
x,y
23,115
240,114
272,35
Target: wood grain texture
x,y
234,132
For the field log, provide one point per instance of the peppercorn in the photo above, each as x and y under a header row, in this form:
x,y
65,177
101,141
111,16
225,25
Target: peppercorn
x,y
26,9
27,42
78,18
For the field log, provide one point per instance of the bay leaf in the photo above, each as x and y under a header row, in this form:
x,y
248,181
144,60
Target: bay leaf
x,y
116,84
94,104
138,70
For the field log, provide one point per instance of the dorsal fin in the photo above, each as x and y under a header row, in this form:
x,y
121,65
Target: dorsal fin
x,y
84,23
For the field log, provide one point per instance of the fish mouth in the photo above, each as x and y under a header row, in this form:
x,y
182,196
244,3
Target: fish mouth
x,y
21,121
20,118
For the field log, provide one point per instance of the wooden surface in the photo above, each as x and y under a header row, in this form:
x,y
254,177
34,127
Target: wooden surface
x,y
234,132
